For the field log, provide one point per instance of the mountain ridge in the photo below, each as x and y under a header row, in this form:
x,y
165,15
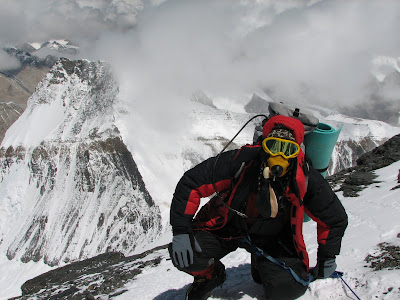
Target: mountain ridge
x,y
79,189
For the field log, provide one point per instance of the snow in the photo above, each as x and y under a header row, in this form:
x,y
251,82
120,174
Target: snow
x,y
36,45
42,121
162,159
373,218
14,273
361,128
162,165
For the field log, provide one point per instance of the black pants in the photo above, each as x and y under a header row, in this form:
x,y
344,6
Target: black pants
x,y
278,283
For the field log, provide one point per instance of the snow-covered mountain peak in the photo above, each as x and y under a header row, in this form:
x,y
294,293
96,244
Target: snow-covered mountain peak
x,y
69,187
73,102
57,48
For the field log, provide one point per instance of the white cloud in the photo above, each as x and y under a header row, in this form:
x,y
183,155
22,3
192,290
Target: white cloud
x,y
7,62
40,20
309,51
312,51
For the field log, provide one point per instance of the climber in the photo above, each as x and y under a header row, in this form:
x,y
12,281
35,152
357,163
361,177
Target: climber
x,y
263,191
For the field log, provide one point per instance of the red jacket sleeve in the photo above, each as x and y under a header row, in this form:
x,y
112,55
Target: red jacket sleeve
x,y
197,183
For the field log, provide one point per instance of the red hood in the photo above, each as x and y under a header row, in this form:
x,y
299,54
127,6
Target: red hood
x,y
290,123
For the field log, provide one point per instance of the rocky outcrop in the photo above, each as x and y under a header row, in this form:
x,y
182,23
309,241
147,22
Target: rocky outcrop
x,y
387,256
105,274
355,179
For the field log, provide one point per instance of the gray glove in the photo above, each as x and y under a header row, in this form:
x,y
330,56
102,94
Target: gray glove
x,y
182,251
324,268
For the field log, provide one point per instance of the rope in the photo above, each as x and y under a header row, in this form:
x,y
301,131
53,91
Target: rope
x,y
311,278
260,252
338,274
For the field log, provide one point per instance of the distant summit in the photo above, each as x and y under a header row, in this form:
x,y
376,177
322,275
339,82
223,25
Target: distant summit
x,y
257,105
26,47
202,98
60,46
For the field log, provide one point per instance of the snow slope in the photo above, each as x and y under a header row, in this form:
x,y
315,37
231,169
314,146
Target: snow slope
x,y
373,218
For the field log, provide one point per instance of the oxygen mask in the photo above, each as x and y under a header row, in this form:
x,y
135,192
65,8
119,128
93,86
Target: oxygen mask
x,y
280,151
278,166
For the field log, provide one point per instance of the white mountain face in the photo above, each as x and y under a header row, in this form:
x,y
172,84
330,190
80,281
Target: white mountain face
x,y
69,187
79,177
357,137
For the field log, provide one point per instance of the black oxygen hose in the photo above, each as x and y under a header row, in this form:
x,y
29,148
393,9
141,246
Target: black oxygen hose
x,y
216,161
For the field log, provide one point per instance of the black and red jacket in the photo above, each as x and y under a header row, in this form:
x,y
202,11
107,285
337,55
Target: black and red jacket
x,y
316,199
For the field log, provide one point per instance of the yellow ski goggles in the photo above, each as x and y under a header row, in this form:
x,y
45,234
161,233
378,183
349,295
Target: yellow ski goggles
x,y
276,146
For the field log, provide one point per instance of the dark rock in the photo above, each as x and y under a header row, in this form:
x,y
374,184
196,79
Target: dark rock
x,y
27,59
257,105
105,274
381,156
353,180
70,272
64,294
388,257
360,178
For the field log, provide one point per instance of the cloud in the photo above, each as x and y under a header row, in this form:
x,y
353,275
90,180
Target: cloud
x,y
304,51
323,53
7,62
162,50
40,20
